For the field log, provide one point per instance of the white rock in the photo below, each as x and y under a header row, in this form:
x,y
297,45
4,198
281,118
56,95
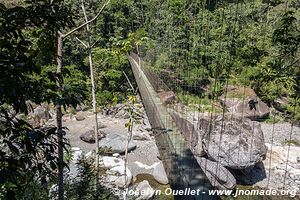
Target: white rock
x,y
279,171
141,165
76,153
144,190
292,153
110,162
280,154
116,155
75,149
139,135
160,175
295,171
89,154
117,176
276,156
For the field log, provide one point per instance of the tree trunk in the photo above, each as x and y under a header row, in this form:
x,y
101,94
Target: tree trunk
x,y
59,83
94,99
59,130
95,113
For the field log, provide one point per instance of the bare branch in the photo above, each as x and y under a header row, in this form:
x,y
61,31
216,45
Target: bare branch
x,y
95,42
297,60
87,26
86,46
88,22
84,12
128,81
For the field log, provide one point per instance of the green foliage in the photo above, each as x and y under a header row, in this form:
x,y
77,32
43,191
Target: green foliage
x,y
286,36
133,40
201,104
26,34
109,65
83,186
253,44
74,88
291,142
68,153
117,31
275,75
293,108
105,151
27,158
275,119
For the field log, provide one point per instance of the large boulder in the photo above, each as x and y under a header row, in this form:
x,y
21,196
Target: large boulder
x,y
144,190
160,175
111,130
120,176
280,103
110,162
234,142
116,143
219,176
189,132
89,136
167,97
80,116
244,102
39,116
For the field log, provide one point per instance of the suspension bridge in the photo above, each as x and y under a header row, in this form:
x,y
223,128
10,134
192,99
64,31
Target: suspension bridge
x,y
212,103
180,164
205,150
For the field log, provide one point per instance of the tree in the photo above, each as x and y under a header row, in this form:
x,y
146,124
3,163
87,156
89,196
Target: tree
x,y
27,31
58,103
89,46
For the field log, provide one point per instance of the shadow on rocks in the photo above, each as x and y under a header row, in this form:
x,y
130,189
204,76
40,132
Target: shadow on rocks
x,y
250,176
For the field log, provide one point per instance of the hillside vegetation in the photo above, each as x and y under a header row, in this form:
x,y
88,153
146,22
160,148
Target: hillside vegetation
x,y
202,44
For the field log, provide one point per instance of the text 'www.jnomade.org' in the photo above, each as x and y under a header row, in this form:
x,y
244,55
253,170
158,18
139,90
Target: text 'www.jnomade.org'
x,y
234,193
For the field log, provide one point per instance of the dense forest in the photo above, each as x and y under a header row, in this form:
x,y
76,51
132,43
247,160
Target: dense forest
x,y
254,44
198,43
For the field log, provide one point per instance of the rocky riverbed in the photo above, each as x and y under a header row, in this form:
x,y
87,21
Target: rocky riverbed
x,y
279,170
280,165
143,160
